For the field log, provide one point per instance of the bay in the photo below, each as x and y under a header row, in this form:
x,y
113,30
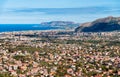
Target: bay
x,y
25,27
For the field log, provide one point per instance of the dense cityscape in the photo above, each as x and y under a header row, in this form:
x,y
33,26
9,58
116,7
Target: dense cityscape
x,y
59,54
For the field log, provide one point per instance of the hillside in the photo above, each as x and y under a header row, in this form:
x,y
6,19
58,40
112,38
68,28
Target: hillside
x,y
61,24
100,25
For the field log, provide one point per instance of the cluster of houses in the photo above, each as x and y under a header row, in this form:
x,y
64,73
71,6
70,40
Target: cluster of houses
x,y
46,59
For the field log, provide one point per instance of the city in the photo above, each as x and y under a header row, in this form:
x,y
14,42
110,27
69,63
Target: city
x,y
59,54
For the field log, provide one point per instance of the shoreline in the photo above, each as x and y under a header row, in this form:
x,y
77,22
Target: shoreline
x,y
52,30
22,31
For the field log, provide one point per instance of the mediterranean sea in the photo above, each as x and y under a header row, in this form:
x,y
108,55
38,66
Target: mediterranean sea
x,y
25,27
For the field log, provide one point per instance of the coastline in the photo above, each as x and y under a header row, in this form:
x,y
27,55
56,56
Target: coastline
x,y
30,28
30,31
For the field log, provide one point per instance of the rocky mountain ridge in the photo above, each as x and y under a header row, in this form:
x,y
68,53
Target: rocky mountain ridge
x,y
100,25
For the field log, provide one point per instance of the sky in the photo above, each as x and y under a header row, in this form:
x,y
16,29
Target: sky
x,y
37,11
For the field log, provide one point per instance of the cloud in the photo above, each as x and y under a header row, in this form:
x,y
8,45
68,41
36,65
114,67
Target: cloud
x,y
36,15
50,11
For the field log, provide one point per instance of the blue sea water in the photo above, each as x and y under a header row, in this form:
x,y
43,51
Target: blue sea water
x,y
24,27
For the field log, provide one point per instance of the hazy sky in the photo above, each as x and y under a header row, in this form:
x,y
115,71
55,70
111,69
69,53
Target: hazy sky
x,y
29,11
57,3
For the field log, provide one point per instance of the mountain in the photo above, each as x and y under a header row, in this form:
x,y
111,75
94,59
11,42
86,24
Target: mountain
x,y
100,25
57,23
62,24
